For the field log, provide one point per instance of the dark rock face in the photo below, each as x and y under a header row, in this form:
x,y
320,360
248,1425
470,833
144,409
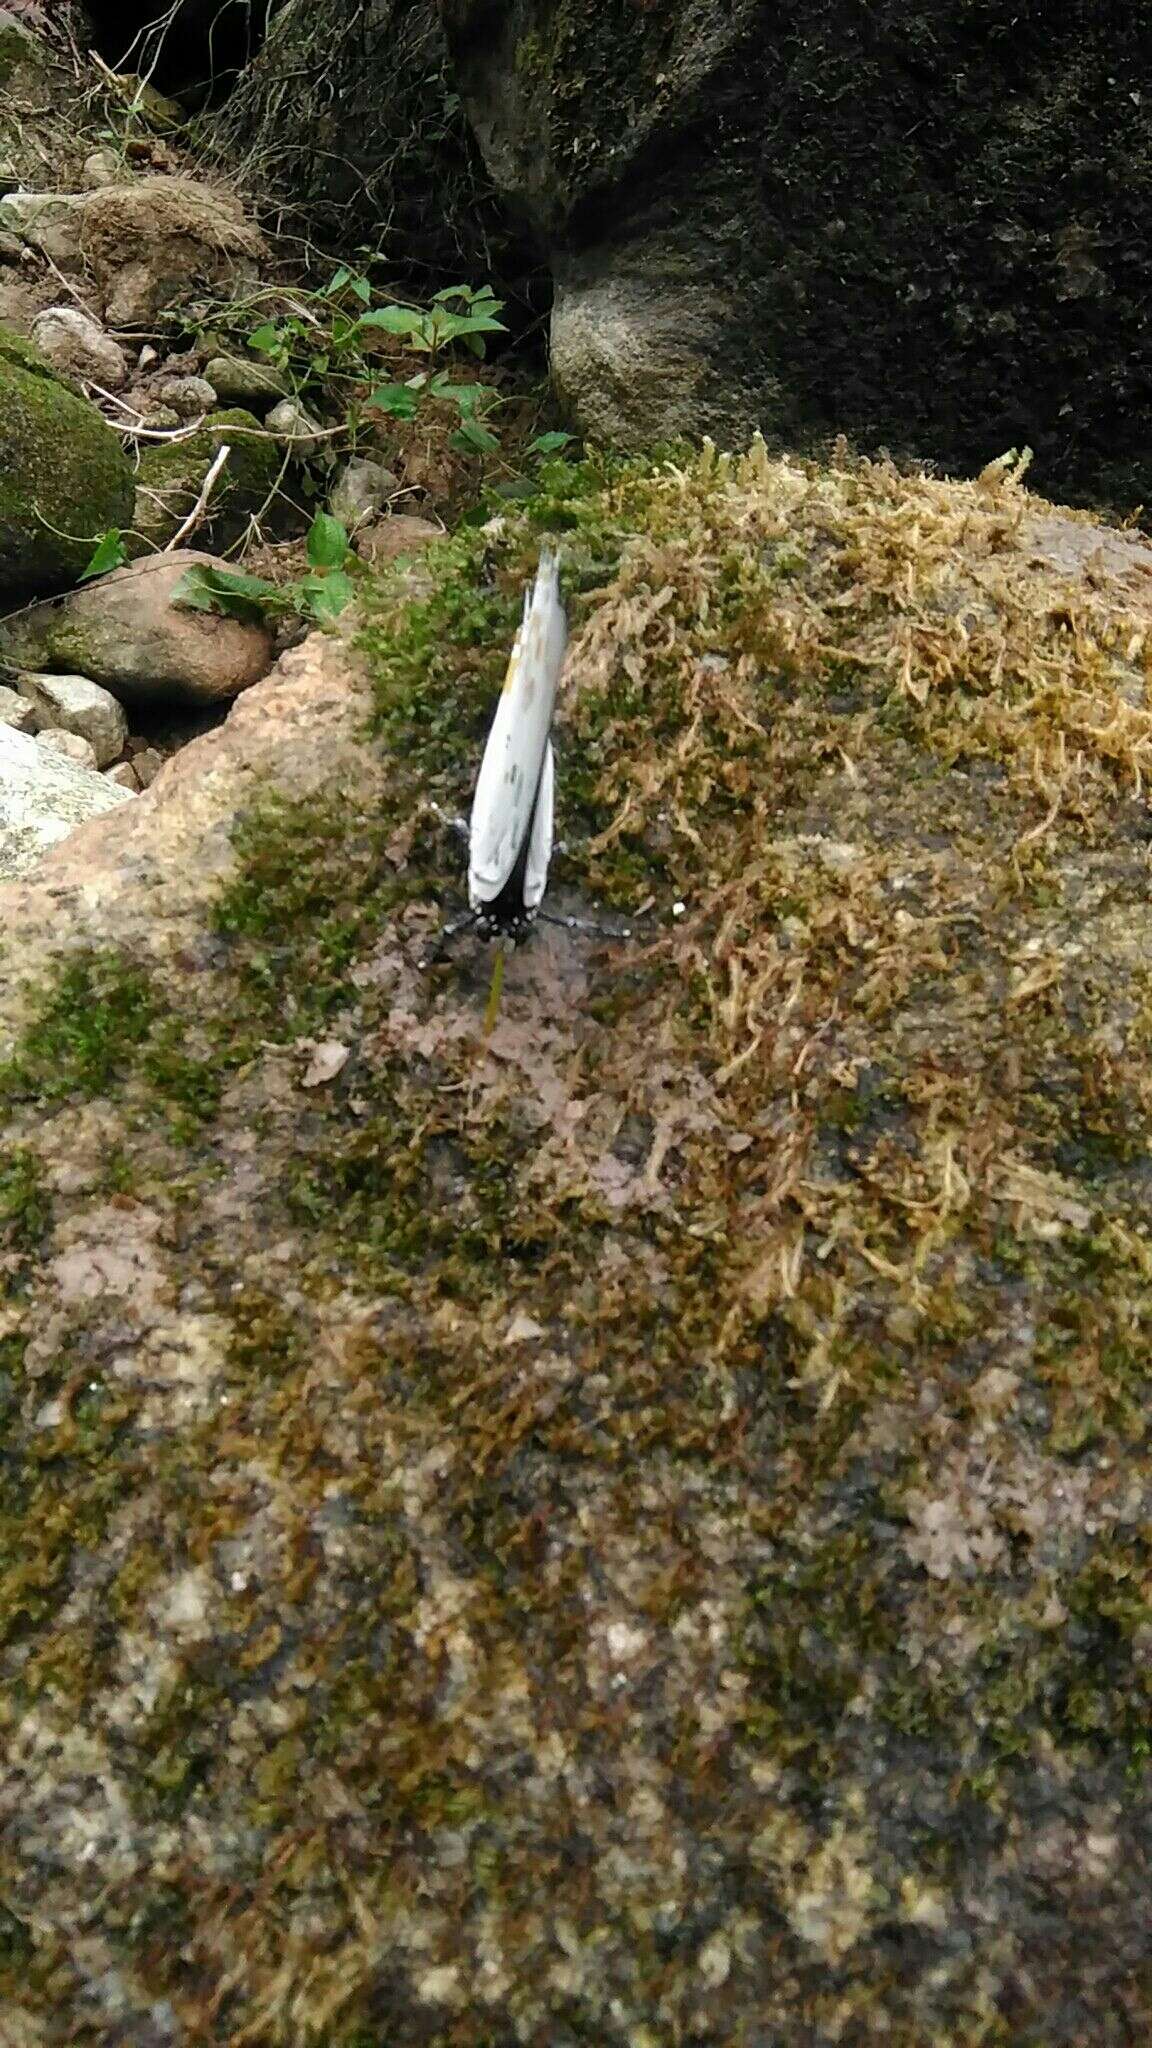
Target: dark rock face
x,y
350,118
199,46
921,226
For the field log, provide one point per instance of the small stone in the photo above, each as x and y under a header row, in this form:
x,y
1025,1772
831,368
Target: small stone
x,y
236,382
11,247
362,489
289,422
123,775
77,705
147,356
103,167
16,710
78,348
402,534
72,745
147,764
188,397
48,221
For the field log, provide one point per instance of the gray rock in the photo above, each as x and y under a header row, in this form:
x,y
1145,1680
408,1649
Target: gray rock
x,y
403,534
362,489
289,422
124,631
16,710
190,398
49,221
11,247
75,704
77,347
43,797
72,745
146,765
103,167
123,775
237,382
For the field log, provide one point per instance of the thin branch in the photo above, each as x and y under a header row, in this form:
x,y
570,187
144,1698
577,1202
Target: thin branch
x,y
201,505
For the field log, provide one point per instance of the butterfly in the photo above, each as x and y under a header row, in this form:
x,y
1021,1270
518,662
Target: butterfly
x,y
510,831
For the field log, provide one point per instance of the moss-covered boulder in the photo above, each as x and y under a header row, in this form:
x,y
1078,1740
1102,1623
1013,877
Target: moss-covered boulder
x,y
64,476
171,475
634,1527
920,225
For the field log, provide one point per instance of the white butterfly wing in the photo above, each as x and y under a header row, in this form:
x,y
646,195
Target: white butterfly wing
x,y
540,844
517,749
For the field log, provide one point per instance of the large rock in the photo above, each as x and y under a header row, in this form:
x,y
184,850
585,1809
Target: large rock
x,y
43,797
836,218
634,1526
152,244
64,476
124,631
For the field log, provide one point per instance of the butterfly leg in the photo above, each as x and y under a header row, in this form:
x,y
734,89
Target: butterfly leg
x,y
585,924
445,936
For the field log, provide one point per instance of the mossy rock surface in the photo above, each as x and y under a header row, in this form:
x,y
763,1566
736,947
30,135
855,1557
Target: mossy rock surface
x,y
171,475
635,1528
64,477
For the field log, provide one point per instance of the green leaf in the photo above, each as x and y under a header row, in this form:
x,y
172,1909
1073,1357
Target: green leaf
x,y
471,435
515,487
327,542
337,283
393,320
548,444
395,399
267,339
207,589
363,290
110,553
325,597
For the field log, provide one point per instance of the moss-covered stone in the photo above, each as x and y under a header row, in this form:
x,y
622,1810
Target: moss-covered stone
x,y
64,477
171,475
633,1528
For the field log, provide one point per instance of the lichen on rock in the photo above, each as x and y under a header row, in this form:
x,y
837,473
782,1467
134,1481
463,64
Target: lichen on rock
x,y
634,1528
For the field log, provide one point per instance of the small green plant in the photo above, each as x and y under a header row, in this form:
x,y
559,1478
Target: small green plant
x,y
325,340
109,553
319,597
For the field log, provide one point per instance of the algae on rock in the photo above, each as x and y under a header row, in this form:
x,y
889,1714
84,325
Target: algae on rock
x,y
636,1528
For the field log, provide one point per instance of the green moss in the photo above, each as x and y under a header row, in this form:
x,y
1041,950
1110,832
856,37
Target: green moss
x,y
25,1204
101,1023
63,473
171,475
